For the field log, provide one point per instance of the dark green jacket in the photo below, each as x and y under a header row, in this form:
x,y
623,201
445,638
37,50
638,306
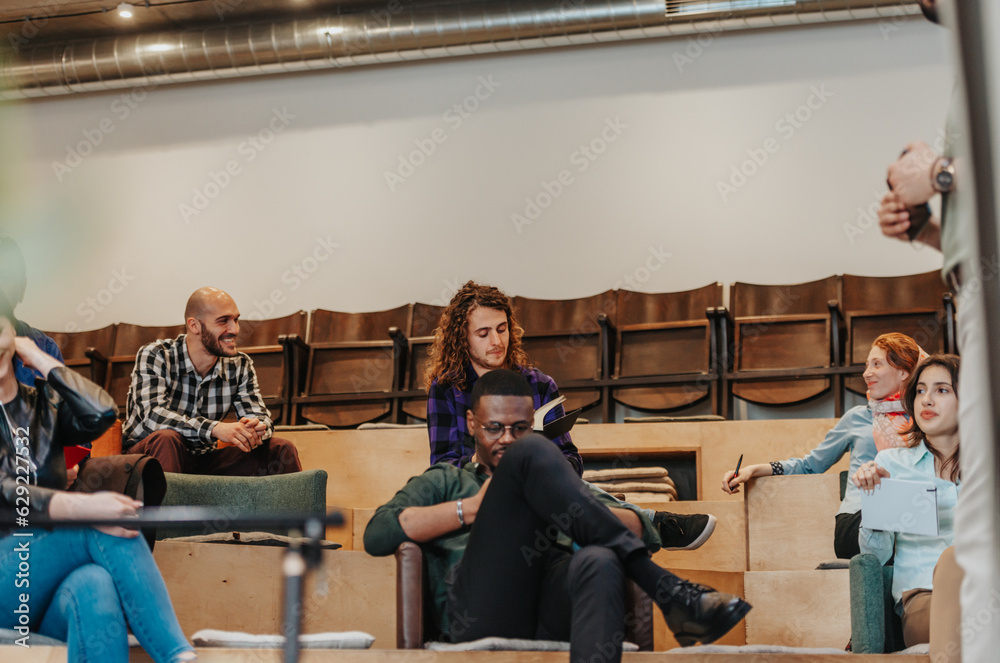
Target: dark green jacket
x,y
445,483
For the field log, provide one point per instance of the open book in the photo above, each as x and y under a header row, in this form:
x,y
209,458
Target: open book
x,y
558,427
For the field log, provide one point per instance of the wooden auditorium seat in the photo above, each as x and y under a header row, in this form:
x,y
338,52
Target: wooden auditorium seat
x,y
785,342
352,366
270,343
128,340
569,340
414,628
666,349
420,338
918,305
87,352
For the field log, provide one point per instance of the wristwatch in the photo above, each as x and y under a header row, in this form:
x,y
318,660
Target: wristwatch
x,y
943,175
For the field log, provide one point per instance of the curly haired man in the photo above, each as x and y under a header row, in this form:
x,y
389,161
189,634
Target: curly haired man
x,y
477,333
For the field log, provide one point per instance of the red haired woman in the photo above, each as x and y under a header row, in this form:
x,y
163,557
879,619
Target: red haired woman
x,y
863,431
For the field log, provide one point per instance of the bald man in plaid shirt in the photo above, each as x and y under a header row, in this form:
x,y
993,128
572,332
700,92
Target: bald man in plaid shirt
x,y
182,389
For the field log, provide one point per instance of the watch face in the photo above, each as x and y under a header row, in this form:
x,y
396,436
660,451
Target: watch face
x,y
944,180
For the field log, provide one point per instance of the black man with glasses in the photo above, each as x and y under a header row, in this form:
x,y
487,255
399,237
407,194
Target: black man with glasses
x,y
518,546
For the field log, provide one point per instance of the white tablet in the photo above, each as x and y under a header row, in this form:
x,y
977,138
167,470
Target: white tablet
x,y
898,505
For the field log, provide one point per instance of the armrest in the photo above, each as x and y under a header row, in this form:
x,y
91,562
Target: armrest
x,y
868,605
409,596
95,355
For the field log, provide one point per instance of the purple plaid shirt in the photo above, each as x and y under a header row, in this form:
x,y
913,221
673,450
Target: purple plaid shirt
x,y
449,433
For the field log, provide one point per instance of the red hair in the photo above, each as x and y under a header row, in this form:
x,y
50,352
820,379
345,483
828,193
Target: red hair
x,y
901,351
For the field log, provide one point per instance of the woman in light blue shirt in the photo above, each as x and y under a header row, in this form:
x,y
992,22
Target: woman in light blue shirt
x,y
932,402
890,361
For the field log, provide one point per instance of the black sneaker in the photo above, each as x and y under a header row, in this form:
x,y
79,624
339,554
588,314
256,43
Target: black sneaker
x,y
695,613
681,532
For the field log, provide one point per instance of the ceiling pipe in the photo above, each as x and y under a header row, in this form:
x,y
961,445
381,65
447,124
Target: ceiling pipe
x,y
414,32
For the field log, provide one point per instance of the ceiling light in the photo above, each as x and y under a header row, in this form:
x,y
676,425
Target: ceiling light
x,y
125,10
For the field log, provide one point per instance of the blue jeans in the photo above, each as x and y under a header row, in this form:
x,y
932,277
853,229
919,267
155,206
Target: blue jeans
x,y
79,586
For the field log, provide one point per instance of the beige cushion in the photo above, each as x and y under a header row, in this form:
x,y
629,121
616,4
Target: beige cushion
x,y
236,640
509,644
624,473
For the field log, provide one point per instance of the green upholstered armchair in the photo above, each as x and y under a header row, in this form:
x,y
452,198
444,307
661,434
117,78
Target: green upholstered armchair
x,y
297,492
875,627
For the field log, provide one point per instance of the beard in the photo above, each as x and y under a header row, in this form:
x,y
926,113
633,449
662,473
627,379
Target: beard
x,y
214,345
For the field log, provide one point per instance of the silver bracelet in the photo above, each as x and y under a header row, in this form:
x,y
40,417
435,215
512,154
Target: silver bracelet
x,y
461,516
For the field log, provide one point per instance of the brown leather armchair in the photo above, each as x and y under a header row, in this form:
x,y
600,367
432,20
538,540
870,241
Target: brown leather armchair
x,y
412,630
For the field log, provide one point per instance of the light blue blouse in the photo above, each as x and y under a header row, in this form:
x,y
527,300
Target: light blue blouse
x,y
852,434
916,555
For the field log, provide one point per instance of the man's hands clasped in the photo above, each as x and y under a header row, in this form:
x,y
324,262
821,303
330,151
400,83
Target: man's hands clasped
x,y
246,434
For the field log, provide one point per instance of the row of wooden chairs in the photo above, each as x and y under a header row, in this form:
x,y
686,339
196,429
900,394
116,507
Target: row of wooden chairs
x,y
658,353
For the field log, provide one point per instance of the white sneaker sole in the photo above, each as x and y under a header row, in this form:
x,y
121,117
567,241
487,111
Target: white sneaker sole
x,y
703,537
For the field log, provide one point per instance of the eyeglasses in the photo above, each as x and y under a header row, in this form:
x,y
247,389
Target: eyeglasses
x,y
495,431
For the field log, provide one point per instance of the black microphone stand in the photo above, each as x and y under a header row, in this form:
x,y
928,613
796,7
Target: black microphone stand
x,y
303,555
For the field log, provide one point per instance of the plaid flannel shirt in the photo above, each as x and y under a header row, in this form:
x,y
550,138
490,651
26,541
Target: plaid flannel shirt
x,y
168,393
449,433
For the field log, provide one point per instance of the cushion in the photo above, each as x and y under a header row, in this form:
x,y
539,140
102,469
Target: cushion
x,y
236,640
297,492
758,649
645,498
509,644
252,539
637,487
624,473
10,637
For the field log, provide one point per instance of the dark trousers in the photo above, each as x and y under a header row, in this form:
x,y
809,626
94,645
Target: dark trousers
x,y
274,456
514,582
845,535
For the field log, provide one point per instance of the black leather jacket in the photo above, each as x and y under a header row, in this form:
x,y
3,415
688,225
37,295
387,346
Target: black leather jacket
x,y
66,410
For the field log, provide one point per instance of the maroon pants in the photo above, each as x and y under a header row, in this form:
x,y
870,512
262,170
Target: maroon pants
x,y
274,456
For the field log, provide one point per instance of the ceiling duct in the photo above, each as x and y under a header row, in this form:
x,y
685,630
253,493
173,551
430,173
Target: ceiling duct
x,y
417,31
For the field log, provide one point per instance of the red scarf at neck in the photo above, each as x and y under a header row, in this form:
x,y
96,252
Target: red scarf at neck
x,y
889,422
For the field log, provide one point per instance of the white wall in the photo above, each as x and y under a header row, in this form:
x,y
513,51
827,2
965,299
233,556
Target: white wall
x,y
651,199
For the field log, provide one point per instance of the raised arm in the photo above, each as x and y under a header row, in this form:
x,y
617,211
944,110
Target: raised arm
x,y
85,410
841,439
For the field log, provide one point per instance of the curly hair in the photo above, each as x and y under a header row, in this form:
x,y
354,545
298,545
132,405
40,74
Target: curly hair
x,y
949,466
450,353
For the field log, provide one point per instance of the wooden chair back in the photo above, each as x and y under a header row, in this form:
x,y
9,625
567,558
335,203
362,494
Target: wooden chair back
x,y
354,366
129,339
340,327
778,332
568,339
666,342
918,305
264,341
87,352
420,339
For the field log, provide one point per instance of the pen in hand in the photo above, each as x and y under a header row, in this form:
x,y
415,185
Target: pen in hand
x,y
735,473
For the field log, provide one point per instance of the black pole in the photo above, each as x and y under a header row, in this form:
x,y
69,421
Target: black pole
x,y
302,556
